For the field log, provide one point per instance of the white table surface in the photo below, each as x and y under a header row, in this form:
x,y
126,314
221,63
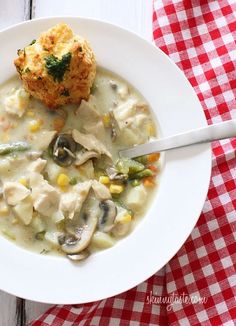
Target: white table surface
x,y
135,15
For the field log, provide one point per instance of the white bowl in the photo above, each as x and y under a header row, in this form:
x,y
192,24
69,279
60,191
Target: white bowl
x,y
183,185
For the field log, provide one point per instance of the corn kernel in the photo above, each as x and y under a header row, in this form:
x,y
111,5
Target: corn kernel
x,y
4,210
151,129
116,189
104,179
5,137
126,218
23,181
106,120
30,114
14,221
63,180
35,125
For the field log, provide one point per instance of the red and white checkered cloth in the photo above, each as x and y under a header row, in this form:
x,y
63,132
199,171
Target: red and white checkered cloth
x,y
200,37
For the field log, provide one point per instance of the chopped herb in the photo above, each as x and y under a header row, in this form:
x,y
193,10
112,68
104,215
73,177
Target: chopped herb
x,y
80,49
19,69
39,78
27,70
50,151
73,181
57,67
32,42
44,251
19,51
40,235
93,89
65,92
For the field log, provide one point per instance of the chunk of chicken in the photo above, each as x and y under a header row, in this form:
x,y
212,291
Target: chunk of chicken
x,y
131,120
44,139
86,170
90,142
101,191
92,121
14,192
123,112
46,198
24,210
71,202
17,102
37,166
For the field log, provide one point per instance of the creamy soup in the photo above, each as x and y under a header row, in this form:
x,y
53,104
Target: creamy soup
x,y
64,188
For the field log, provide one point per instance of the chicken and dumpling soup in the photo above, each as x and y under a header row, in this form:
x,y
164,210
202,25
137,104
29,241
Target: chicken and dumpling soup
x,y
63,187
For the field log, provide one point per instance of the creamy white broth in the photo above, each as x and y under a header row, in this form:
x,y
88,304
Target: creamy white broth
x,y
108,93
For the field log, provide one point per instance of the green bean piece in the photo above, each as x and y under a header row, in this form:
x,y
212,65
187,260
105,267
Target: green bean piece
x,y
142,174
142,159
13,147
126,165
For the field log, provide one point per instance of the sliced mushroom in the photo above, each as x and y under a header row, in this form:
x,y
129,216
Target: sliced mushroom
x,y
90,142
83,156
107,218
63,149
114,126
113,174
73,230
72,245
80,256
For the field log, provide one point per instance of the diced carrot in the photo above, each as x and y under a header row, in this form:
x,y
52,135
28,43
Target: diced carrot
x,y
153,157
149,182
58,124
153,168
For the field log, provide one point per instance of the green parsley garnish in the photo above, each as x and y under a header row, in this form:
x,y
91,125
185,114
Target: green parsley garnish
x,y
57,67
32,42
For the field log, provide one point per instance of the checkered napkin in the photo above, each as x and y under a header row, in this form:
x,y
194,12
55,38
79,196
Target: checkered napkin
x,y
198,286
